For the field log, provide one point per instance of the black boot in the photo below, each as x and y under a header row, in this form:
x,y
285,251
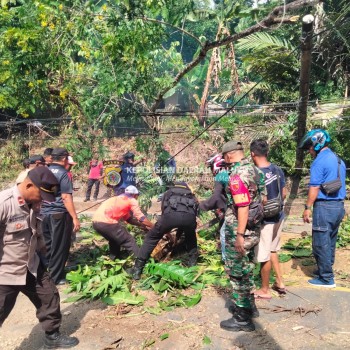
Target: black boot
x,y
240,321
58,341
137,270
255,311
192,257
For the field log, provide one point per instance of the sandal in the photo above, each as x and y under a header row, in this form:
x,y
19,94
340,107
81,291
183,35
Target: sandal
x,y
262,297
279,290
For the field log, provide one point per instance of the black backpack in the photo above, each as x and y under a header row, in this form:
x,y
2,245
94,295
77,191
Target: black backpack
x,y
180,199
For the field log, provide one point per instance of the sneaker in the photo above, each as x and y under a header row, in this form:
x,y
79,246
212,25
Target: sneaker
x,y
321,283
86,200
59,341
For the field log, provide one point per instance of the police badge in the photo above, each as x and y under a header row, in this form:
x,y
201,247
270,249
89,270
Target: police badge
x,y
112,173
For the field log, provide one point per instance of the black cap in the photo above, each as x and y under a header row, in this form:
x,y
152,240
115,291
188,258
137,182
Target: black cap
x,y
128,155
59,152
36,159
46,181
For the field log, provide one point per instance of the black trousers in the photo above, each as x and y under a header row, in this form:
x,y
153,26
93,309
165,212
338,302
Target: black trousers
x,y
42,292
90,184
57,231
185,222
117,236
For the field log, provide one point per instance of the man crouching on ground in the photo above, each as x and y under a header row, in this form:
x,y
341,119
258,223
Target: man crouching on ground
x,y
20,267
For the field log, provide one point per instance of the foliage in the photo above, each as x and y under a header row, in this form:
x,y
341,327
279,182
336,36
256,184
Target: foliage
x,y
149,186
84,144
96,59
99,277
172,272
174,300
282,151
99,281
73,55
123,297
343,239
301,247
12,153
331,49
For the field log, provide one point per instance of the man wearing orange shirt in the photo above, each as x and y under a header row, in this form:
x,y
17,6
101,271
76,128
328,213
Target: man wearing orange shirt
x,y
109,218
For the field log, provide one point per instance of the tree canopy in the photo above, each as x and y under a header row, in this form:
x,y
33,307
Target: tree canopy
x,y
95,59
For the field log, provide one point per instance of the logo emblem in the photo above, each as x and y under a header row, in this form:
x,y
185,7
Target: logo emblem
x,y
112,176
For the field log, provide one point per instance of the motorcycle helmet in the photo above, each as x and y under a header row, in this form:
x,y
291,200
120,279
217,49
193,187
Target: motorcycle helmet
x,y
215,162
318,138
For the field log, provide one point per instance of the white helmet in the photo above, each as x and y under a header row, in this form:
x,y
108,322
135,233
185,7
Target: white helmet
x,y
131,190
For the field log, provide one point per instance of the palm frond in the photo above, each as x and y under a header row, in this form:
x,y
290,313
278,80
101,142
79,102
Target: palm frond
x,y
261,41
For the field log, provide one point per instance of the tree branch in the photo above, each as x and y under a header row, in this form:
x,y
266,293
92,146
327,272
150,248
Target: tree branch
x,y
171,25
270,20
54,90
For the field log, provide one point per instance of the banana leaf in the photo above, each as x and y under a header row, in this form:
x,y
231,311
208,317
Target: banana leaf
x,y
177,274
302,253
125,298
283,258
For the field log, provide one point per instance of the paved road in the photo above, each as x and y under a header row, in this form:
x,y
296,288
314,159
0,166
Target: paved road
x,y
327,329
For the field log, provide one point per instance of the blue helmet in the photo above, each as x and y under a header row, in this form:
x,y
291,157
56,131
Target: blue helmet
x,y
318,138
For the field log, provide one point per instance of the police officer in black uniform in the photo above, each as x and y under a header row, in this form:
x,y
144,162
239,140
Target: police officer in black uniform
x,y
179,210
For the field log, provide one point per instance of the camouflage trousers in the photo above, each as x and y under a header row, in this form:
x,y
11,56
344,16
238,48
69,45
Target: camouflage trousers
x,y
239,268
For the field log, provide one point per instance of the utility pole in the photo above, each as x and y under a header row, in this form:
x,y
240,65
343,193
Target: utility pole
x,y
306,47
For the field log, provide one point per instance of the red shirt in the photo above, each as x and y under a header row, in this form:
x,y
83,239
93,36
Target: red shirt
x,y
95,170
117,209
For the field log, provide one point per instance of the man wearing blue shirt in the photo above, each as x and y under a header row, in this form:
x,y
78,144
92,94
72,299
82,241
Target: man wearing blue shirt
x,y
128,173
270,237
328,209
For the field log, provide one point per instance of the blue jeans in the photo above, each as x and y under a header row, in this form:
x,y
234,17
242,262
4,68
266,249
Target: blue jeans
x,y
326,218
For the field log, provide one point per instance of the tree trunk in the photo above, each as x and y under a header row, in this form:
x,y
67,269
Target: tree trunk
x,y
201,117
306,46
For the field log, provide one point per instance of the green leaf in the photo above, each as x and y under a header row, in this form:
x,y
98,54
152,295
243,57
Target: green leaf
x,y
148,343
124,297
206,340
164,336
283,258
302,253
192,300
181,276
153,310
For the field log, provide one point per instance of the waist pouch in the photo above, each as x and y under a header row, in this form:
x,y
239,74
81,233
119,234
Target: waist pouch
x,y
331,187
256,215
272,208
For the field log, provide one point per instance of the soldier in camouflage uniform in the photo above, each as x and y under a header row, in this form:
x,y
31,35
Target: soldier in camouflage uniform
x,y
246,185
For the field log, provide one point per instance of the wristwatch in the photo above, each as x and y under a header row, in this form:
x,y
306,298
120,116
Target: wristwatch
x,y
307,207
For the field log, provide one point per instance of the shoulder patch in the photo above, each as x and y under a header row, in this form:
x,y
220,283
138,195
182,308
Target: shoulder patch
x,y
239,191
